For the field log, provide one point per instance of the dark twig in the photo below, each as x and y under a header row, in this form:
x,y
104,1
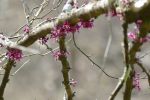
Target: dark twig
x,y
144,70
91,59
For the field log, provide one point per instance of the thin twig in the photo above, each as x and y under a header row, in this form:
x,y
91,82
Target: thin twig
x,y
42,6
147,53
50,50
20,67
100,67
144,70
26,10
54,8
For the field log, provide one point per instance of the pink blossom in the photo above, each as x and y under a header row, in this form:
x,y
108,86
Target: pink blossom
x,y
26,29
57,32
144,39
59,54
43,40
70,28
87,23
73,82
63,30
14,54
132,36
136,81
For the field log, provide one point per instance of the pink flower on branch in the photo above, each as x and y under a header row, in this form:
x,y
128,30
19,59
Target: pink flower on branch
x,y
59,54
87,23
132,36
64,30
14,54
73,82
26,29
136,81
43,40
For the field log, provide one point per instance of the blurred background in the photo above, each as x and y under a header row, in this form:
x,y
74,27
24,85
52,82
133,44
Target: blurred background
x,y
41,78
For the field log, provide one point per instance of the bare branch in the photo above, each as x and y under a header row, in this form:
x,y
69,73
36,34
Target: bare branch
x,y
100,67
26,10
20,67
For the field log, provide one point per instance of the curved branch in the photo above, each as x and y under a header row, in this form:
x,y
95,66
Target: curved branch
x,y
100,67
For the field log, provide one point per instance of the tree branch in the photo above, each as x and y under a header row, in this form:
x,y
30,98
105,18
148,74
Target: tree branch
x,y
5,79
65,68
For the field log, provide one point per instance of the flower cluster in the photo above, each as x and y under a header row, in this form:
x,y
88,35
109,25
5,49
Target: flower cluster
x,y
43,40
63,30
14,54
136,81
87,23
66,28
133,36
59,54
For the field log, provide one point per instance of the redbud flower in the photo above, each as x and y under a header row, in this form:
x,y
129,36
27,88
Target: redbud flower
x,y
43,40
14,54
73,82
58,54
70,28
136,81
87,23
57,32
26,29
132,36
63,30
